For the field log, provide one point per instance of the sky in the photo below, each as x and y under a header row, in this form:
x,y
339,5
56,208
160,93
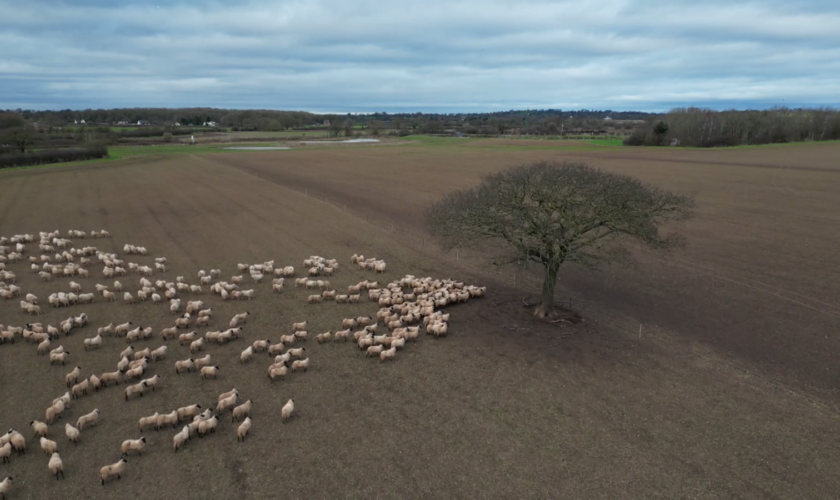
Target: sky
x,y
428,56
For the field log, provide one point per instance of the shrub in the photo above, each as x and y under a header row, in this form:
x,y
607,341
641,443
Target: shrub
x,y
52,156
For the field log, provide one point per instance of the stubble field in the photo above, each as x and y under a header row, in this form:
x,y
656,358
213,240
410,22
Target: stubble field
x,y
729,391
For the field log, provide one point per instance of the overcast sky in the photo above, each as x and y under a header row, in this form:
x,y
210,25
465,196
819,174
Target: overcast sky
x,y
431,55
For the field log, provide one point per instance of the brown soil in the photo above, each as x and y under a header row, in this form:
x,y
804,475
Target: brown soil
x,y
727,390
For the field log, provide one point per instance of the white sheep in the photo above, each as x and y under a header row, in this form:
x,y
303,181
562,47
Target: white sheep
x,y
242,430
287,410
158,353
167,419
48,446
116,469
180,438
138,388
40,428
277,370
55,465
243,410
133,445
209,371
93,342
246,355
72,433
300,364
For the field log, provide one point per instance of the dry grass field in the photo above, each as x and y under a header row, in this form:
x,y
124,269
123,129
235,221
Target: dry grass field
x,y
728,392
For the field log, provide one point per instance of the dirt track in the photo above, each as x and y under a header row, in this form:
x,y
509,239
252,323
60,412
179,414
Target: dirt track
x,y
720,397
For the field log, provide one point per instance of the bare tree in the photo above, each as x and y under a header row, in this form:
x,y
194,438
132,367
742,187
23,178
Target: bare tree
x,y
553,213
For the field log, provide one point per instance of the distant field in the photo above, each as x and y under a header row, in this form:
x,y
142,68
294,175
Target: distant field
x,y
709,374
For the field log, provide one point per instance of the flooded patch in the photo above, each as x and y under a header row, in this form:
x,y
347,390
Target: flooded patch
x,y
258,148
349,141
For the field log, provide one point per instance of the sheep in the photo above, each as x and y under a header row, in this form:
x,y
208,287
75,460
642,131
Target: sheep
x,y
138,388
80,388
133,445
56,466
260,345
315,299
227,402
275,349
342,299
298,353
246,355
73,377
158,353
208,426
398,343
5,486
302,364
93,342
183,322
374,350
287,410
156,298
40,428
116,376
55,410
167,419
341,335
353,299
275,371
72,433
188,411
44,347
202,362
116,469
152,381
243,429
136,372
95,382
194,306
277,287
123,328
142,354
168,333
209,371
323,337
186,338
18,441
243,410
196,345
301,335
48,446
6,452
180,438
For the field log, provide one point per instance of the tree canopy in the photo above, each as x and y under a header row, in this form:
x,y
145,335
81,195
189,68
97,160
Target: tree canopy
x,y
553,213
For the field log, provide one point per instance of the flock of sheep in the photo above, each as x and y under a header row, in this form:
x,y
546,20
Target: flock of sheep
x,y
406,306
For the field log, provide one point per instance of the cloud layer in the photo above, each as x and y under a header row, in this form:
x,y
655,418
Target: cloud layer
x,y
436,55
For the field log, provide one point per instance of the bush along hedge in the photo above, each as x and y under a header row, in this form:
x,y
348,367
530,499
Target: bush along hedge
x,y
9,160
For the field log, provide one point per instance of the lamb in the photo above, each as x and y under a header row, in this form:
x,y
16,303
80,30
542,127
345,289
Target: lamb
x,y
56,466
287,410
300,364
133,445
209,371
73,377
72,433
243,410
135,389
116,469
243,429
90,418
48,446
40,428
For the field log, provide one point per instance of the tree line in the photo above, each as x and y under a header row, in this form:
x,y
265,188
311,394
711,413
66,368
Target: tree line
x,y
696,127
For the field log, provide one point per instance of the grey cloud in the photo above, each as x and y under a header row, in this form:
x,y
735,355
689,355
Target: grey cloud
x,y
436,55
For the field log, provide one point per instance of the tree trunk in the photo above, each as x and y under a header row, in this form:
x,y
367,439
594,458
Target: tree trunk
x,y
546,306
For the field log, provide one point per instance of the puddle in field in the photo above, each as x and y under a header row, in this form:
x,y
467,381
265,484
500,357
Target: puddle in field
x,y
349,141
259,148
